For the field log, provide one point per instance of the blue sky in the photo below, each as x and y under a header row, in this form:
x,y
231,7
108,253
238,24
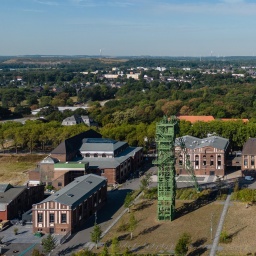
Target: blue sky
x,y
128,27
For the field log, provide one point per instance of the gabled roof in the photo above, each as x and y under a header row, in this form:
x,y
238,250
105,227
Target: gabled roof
x,y
78,190
194,119
74,143
249,147
211,141
75,118
10,194
5,187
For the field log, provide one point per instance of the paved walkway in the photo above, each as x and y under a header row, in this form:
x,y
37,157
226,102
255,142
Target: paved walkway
x,y
220,226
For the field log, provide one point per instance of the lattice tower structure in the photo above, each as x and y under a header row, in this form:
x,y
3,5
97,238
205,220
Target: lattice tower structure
x,y
187,163
166,131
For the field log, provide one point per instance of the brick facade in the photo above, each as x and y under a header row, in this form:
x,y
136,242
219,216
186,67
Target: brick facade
x,y
206,156
26,196
59,218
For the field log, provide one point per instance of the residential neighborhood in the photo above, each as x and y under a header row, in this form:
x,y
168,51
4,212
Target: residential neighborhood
x,y
102,161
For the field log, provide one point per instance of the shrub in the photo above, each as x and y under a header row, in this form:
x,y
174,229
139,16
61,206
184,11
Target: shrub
x,y
225,238
123,227
151,193
181,247
244,195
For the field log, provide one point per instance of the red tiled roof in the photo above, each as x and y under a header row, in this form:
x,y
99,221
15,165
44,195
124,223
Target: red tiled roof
x,y
194,119
234,119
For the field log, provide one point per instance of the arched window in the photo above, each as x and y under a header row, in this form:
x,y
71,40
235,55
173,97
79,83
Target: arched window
x,y
211,161
197,160
252,161
180,160
87,155
219,160
95,155
103,155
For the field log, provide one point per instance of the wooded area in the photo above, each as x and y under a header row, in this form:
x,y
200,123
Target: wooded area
x,y
133,106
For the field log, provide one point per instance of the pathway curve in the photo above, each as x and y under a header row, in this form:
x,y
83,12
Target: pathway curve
x,y
219,229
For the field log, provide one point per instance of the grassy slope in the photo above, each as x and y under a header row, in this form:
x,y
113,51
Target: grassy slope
x,y
14,168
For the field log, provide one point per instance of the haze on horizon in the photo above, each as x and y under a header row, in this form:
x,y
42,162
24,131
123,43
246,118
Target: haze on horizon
x,y
128,27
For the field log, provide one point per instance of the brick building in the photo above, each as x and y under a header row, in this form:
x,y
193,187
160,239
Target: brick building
x,y
72,205
15,200
87,153
116,160
249,157
208,156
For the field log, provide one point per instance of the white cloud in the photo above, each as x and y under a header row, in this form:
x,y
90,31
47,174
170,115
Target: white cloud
x,y
233,1
98,3
52,3
226,7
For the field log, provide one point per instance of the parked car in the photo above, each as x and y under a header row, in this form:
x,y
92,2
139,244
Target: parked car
x,y
248,178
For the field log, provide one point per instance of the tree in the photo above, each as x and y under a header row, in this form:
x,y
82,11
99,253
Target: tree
x,y
145,182
49,243
127,252
181,247
132,224
114,246
85,252
128,200
96,234
104,251
36,252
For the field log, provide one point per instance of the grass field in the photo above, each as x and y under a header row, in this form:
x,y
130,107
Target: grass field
x,y
240,224
14,168
153,236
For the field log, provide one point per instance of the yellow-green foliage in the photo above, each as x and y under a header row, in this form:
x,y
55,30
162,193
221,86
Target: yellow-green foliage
x,y
244,195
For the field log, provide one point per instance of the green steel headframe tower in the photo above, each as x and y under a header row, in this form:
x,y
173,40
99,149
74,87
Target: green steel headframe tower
x,y
166,131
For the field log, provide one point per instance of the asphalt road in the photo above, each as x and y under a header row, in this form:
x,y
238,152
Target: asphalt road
x,y
105,217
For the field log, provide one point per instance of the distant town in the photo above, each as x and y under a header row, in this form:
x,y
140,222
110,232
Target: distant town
x,y
127,156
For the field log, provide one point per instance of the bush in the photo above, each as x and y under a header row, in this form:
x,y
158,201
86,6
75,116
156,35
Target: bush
x,y
244,195
151,193
225,238
181,247
123,227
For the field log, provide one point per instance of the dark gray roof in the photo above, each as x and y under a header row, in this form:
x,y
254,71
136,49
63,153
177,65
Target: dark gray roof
x,y
74,143
5,187
78,190
211,141
100,144
10,194
103,162
249,147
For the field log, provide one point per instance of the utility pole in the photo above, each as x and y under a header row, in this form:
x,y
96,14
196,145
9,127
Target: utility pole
x,y
211,225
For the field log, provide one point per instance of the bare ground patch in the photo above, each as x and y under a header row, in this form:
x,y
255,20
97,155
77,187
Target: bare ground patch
x,y
153,236
14,168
